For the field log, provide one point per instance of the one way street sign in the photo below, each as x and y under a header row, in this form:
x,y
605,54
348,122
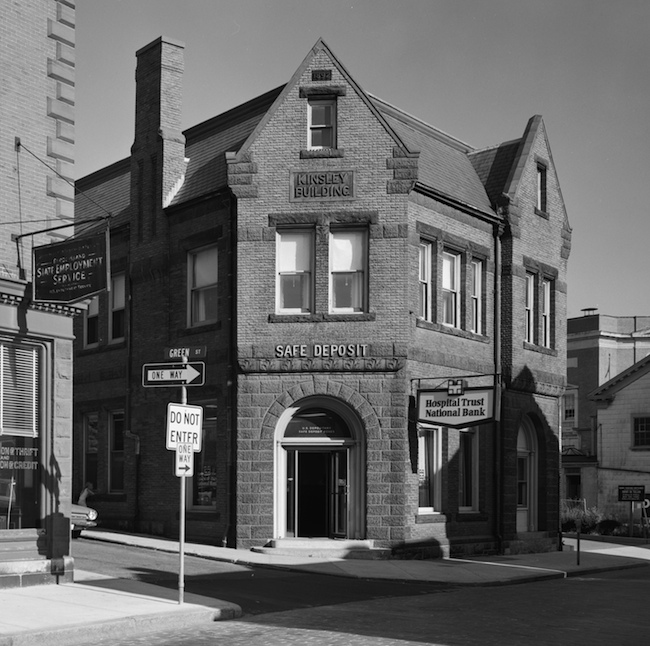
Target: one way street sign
x,y
173,374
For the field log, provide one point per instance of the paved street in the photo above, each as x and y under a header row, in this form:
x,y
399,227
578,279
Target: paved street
x,y
603,609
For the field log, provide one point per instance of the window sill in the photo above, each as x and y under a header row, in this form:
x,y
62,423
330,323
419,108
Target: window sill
x,y
542,214
471,515
197,329
428,517
540,349
453,331
321,318
105,347
322,153
640,448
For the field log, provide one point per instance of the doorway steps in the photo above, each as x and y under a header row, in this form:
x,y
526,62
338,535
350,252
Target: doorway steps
x,y
324,548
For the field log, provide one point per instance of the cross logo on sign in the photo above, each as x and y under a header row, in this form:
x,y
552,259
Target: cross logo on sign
x,y
184,426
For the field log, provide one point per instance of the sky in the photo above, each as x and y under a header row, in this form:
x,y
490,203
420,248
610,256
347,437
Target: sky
x,y
476,69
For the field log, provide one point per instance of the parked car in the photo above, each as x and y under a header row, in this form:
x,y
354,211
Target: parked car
x,y
82,517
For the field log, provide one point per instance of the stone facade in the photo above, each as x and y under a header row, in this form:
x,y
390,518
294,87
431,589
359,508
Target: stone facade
x,y
317,431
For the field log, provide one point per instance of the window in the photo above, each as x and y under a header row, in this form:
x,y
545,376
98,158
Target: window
x,y
468,470
348,260
322,123
117,298
569,403
294,262
546,313
476,296
451,289
642,431
116,455
530,308
426,289
203,286
90,438
202,489
541,188
429,469
19,390
91,323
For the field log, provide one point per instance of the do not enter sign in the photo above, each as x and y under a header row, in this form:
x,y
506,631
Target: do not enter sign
x,y
184,426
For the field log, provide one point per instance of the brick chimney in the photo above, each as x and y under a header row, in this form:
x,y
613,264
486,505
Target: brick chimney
x,y
158,151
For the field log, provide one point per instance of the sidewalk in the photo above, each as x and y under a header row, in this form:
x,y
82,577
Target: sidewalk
x,y
62,615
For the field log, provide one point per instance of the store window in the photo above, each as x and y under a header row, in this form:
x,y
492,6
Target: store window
x,y
118,300
116,453
468,470
348,262
20,410
203,485
429,469
294,262
90,440
322,123
203,286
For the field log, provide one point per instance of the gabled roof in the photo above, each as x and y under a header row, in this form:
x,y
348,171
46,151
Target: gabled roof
x,y
608,390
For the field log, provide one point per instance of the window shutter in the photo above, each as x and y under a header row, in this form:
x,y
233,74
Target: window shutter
x,y
19,394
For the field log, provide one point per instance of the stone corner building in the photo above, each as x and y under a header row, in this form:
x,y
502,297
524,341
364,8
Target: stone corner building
x,y
335,257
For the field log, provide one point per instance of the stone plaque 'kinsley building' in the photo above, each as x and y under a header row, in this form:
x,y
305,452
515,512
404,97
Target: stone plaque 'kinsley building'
x,y
343,264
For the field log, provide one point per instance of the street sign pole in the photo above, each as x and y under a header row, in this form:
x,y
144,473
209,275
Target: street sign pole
x,y
181,531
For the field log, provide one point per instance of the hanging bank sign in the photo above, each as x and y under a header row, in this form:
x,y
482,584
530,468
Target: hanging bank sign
x,y
444,408
71,270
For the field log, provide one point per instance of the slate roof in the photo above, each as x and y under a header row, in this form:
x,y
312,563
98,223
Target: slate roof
x,y
446,165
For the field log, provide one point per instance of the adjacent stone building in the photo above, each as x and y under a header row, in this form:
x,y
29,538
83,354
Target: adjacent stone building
x,y
354,280
37,90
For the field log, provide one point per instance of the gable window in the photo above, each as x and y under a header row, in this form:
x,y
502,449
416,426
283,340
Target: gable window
x,y
530,308
641,436
541,188
91,323
322,123
426,288
546,313
116,455
476,296
429,469
294,262
451,289
348,261
203,285
117,297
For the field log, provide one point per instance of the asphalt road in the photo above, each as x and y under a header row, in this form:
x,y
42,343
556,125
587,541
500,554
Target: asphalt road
x,y
286,609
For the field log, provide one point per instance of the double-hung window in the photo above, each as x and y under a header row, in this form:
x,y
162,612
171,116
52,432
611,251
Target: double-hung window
x,y
546,313
430,469
118,300
348,268
322,123
426,288
294,262
451,289
641,437
91,323
530,308
203,285
90,441
476,296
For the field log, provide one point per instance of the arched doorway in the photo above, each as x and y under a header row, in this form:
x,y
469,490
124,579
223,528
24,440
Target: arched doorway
x,y
319,471
526,478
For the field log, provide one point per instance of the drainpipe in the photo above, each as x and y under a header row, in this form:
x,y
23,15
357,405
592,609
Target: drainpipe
x,y
498,230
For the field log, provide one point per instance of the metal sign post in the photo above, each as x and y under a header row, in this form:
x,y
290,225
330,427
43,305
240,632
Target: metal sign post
x,y
181,530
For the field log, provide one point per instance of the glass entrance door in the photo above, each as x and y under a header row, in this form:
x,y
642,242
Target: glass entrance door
x,y
317,493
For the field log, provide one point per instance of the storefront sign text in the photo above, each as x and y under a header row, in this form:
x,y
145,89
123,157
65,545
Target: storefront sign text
x,y
321,350
18,458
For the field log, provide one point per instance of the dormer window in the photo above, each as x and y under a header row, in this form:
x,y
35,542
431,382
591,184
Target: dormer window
x,y
322,123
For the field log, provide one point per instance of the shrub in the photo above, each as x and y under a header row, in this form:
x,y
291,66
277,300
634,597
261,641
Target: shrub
x,y
588,519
